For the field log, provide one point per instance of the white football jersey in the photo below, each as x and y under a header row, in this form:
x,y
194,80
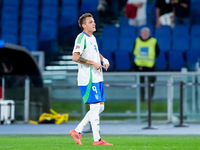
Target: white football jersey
x,y
88,49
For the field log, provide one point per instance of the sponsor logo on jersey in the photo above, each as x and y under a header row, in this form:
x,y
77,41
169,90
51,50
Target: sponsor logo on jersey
x,y
77,46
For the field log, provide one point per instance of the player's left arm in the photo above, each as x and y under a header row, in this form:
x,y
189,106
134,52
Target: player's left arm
x,y
105,61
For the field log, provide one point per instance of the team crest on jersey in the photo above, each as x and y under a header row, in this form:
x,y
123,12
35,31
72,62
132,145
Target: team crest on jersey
x,y
96,96
77,46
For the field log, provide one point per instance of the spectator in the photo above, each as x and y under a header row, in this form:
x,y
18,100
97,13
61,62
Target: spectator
x,y
140,18
145,50
104,11
164,13
103,4
182,11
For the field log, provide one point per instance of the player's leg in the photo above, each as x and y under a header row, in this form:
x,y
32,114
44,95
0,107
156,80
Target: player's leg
x,y
101,89
76,133
83,123
94,120
101,107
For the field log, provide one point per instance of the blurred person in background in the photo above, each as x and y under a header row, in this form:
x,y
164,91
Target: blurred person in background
x,y
145,51
103,4
90,78
140,10
181,11
164,13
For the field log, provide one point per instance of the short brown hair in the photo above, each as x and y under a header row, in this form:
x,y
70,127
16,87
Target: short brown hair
x,y
82,19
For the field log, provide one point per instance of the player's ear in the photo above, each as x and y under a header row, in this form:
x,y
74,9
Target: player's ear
x,y
84,25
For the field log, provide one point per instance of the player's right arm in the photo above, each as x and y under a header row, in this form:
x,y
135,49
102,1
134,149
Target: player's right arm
x,y
79,59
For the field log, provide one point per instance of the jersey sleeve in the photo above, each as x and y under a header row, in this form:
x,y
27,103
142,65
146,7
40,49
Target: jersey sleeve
x,y
79,44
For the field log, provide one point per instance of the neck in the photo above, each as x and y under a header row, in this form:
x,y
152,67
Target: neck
x,y
144,39
87,32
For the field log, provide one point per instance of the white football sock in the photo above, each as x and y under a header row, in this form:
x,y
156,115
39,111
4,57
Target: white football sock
x,y
83,123
94,120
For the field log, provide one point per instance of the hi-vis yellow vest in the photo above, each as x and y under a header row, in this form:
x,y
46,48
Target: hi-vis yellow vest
x,y
145,52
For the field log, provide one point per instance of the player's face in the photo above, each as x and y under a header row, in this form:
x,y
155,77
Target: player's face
x,y
89,25
145,34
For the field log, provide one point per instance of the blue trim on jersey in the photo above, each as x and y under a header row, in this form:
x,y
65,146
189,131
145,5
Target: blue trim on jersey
x,y
96,93
86,34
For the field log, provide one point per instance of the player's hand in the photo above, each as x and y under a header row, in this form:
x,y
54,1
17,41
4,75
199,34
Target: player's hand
x,y
140,4
97,66
105,66
184,5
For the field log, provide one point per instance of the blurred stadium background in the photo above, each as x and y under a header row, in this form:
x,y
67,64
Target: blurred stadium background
x,y
47,29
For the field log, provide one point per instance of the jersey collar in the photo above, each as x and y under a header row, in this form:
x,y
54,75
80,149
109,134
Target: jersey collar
x,y
86,34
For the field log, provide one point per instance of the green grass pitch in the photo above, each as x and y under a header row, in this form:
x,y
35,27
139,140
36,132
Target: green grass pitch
x,y
120,142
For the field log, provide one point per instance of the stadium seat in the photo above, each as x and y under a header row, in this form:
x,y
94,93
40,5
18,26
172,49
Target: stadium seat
x,y
9,27
14,3
180,44
195,44
49,3
69,16
195,2
29,27
175,60
88,6
109,56
161,62
10,38
127,31
122,61
123,21
71,3
68,27
99,42
164,43
9,13
29,13
164,30
180,30
191,59
30,3
49,12
195,31
30,42
126,44
110,30
48,37
195,12
151,28
110,44
48,30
